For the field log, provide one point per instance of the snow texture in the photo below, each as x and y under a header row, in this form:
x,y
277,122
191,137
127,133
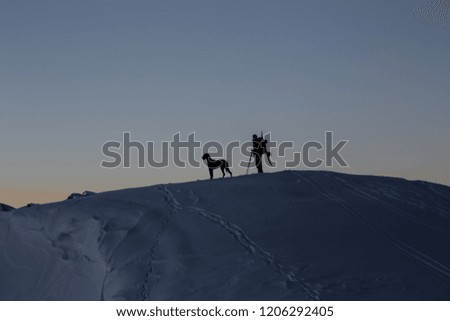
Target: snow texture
x,y
294,235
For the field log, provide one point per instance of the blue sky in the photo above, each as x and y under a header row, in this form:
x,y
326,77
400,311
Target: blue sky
x,y
75,74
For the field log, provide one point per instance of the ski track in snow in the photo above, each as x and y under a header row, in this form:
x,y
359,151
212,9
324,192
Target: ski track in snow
x,y
388,206
413,253
241,237
442,195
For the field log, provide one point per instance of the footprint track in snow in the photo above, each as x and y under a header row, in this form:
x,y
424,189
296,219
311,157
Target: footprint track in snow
x,y
243,239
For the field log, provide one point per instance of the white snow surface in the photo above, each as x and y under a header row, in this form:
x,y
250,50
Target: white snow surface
x,y
293,235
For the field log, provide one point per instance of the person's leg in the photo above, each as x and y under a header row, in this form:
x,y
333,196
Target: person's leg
x,y
258,160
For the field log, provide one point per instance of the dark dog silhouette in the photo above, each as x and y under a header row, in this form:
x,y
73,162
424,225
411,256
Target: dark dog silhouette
x,y
213,164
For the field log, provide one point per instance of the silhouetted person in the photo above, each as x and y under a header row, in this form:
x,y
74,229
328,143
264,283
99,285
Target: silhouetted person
x,y
213,164
258,150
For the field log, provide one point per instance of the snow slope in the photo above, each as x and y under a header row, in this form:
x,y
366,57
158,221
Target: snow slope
x,y
5,207
295,235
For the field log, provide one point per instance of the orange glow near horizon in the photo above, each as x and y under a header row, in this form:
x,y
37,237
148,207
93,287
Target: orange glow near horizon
x,y
18,199
21,196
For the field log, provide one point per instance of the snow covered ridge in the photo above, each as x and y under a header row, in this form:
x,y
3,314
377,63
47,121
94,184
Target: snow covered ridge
x,y
298,235
5,208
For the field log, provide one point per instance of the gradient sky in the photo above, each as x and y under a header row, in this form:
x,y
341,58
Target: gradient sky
x,y
75,74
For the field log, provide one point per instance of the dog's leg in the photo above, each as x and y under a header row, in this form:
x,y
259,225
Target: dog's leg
x,y
223,171
211,173
225,165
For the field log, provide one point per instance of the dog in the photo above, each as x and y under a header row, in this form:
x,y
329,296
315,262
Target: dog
x,y
213,164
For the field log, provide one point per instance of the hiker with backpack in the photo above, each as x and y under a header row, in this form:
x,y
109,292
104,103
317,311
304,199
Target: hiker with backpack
x,y
259,149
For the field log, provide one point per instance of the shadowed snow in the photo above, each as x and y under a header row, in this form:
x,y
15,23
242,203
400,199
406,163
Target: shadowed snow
x,y
295,235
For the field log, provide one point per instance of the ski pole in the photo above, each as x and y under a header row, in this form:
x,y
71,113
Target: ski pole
x,y
249,161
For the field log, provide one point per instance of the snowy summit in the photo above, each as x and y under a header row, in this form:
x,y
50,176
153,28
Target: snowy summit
x,y
295,235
